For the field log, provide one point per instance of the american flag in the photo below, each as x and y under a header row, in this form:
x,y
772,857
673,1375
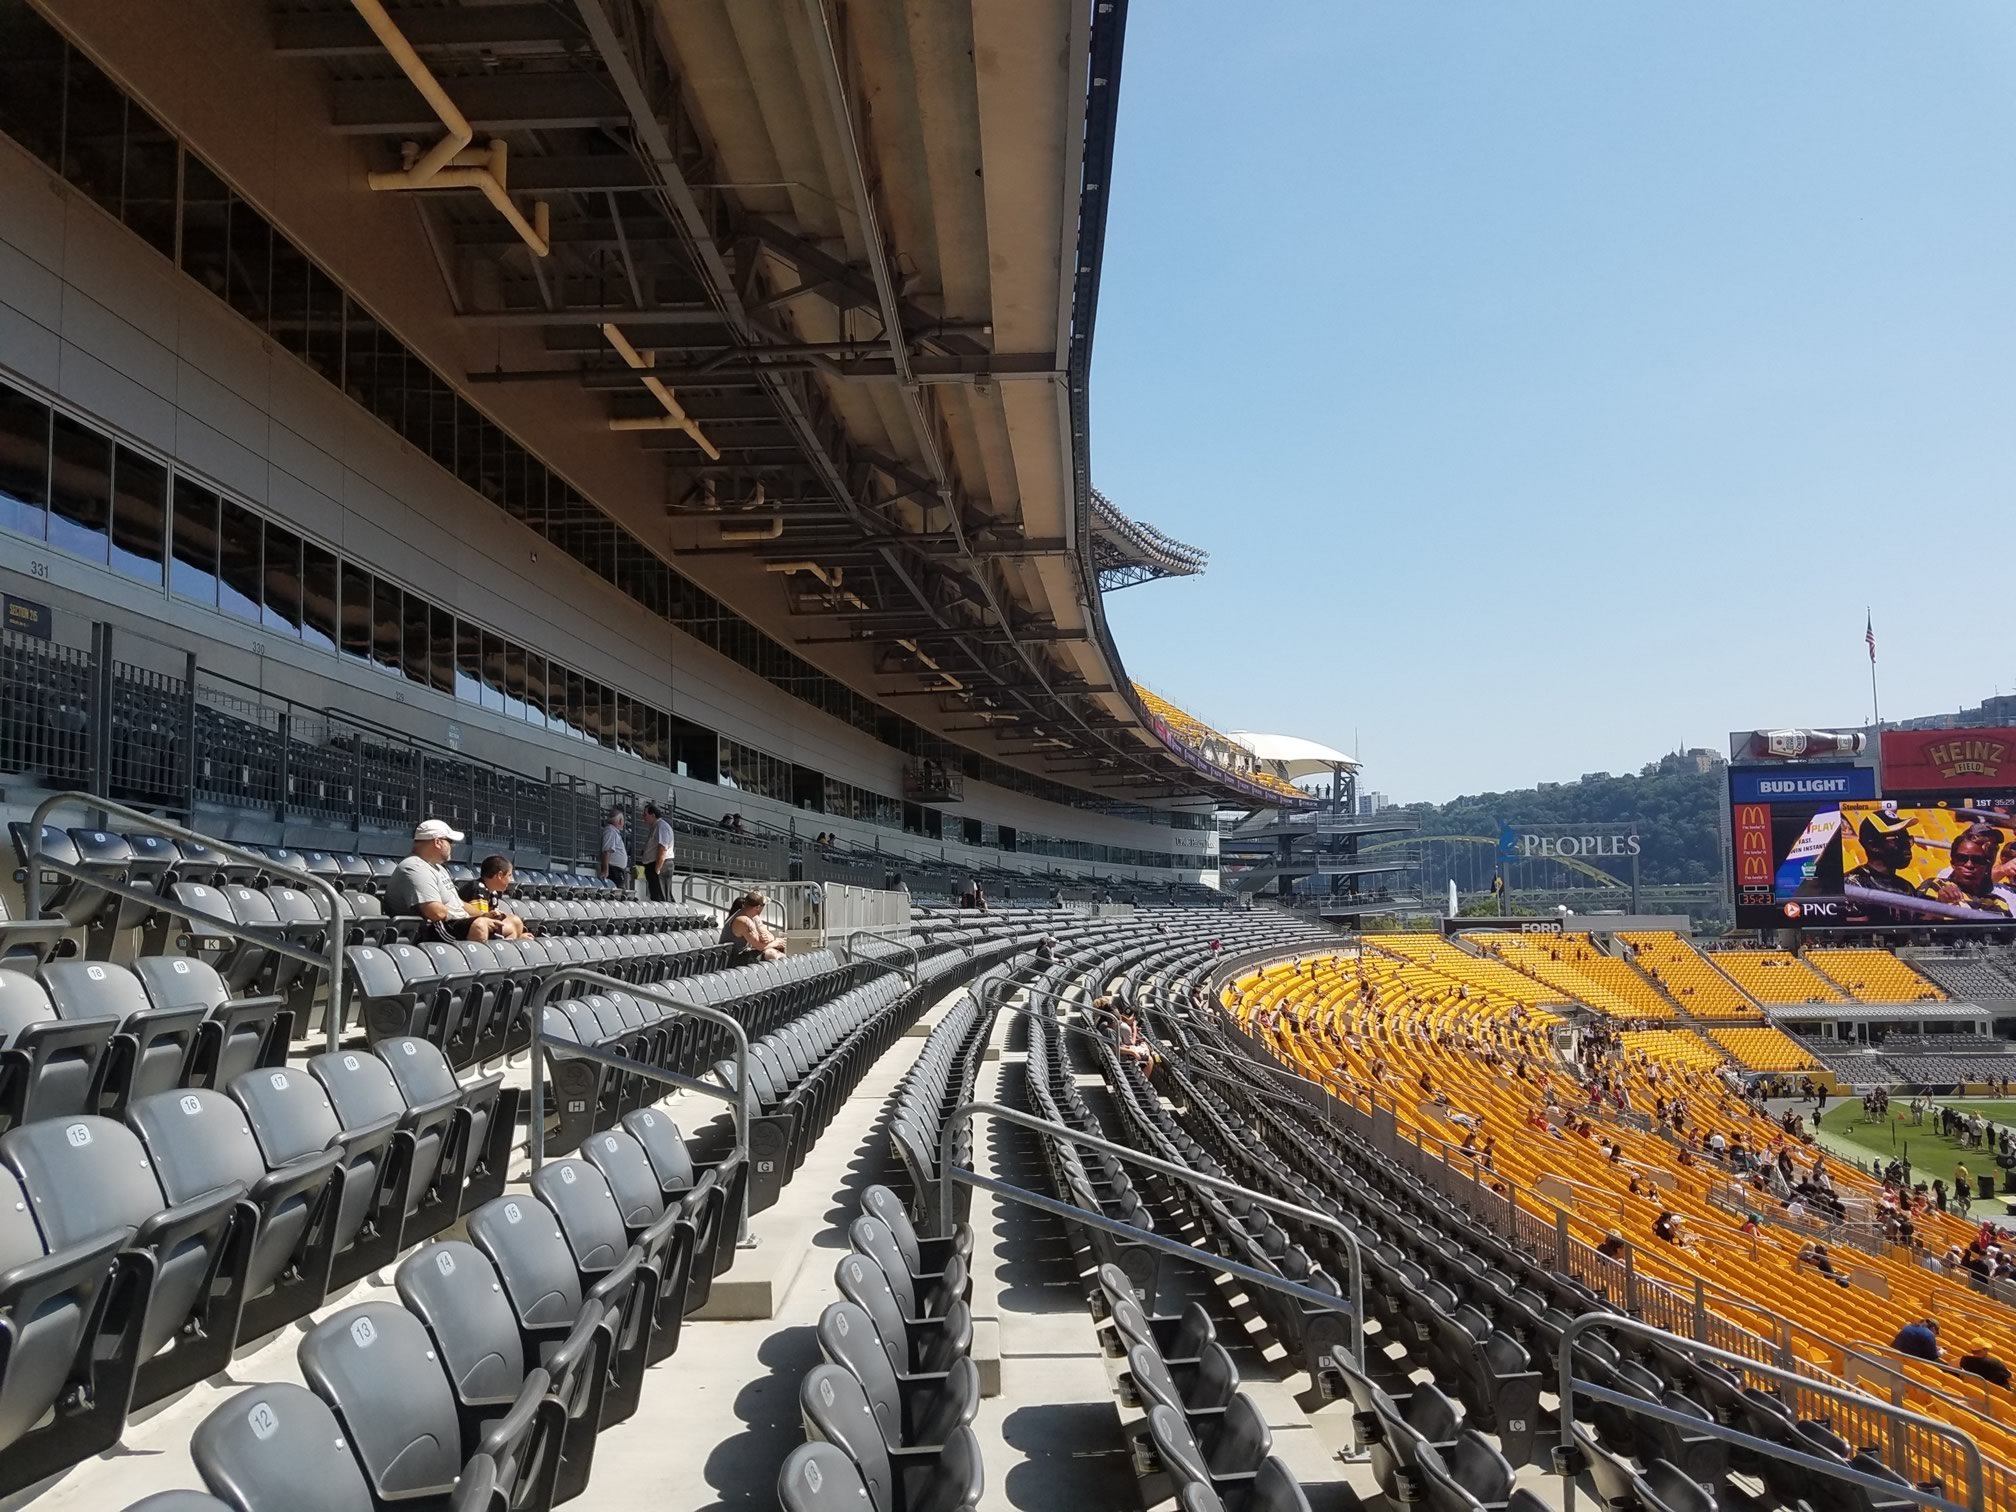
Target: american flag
x,y
1869,635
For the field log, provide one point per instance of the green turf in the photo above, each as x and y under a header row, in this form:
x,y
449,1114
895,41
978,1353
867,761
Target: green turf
x,y
1930,1155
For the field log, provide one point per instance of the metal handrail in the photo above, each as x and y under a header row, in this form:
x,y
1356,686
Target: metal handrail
x,y
915,975
950,1173
737,1099
331,960
1569,1388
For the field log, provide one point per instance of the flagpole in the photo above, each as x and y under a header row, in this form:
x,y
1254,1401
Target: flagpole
x,y
1875,704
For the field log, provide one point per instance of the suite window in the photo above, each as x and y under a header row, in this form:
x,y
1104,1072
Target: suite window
x,y
282,602
320,612
139,515
249,278
388,624
31,83
441,661
193,568
206,226
535,688
239,582
94,131
514,681
150,184
356,611
80,489
493,672
417,661
24,450
468,663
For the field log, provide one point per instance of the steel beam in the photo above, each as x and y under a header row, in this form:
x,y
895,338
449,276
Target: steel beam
x,y
345,34
492,102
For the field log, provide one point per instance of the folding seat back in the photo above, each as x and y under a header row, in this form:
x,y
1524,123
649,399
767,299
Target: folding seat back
x,y
152,1047
1198,1497
453,1289
1275,1489
862,1282
73,901
235,1034
85,1177
848,1339
362,1091
871,1237
279,1446
49,1301
822,1478
293,1119
1243,1440
665,1147
376,1367
640,1200
179,1501
1176,1447
522,1239
836,1411
580,1199
49,1067
202,1142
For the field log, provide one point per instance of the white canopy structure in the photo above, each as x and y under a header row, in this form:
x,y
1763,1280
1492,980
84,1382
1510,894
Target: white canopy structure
x,y
1290,756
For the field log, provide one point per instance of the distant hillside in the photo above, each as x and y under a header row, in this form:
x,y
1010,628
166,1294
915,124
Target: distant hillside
x,y
1672,805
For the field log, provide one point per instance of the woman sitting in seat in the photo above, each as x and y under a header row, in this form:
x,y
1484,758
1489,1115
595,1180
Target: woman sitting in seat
x,y
744,926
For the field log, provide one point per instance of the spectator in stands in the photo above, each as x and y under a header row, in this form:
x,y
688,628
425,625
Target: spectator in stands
x,y
1919,1340
1613,1246
421,886
744,926
972,897
1981,1360
657,853
1666,1227
488,894
615,859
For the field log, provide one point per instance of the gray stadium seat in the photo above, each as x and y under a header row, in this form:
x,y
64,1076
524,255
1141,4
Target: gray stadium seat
x,y
292,1119
937,1478
668,1235
278,1446
87,1176
151,1047
376,1367
712,1202
926,1296
201,1142
362,1091
522,1239
236,1034
179,1501
821,1478
57,1351
477,1157
924,1256
454,1291
913,1344
911,1409
48,1066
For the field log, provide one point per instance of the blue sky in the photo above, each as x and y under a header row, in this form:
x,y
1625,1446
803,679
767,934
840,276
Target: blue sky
x,y
1553,383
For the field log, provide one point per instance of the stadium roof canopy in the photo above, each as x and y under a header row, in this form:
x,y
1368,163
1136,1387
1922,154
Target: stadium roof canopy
x,y
1292,756
829,361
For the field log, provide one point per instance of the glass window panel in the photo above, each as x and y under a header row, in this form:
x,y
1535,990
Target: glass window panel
x,y
623,725
577,705
514,681
388,624
152,162
320,613
94,132
206,226
418,658
324,345
356,612
535,688
139,515
493,672
239,585
193,572
287,310
80,489
31,83
281,606
443,659
249,278
24,438
469,663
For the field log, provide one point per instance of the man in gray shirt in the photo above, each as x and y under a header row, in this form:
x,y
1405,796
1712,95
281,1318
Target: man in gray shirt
x,y
615,856
421,885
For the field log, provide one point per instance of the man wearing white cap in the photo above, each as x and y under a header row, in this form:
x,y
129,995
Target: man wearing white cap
x,y
421,885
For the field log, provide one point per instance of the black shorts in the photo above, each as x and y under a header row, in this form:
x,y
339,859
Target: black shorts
x,y
446,931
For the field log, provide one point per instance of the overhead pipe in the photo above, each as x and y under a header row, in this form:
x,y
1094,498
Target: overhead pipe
x,y
676,417
450,163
